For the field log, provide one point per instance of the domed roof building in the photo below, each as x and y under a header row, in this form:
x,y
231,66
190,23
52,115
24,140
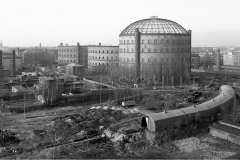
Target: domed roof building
x,y
155,50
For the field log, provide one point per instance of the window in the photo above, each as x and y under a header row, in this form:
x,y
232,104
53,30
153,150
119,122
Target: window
x,y
107,57
127,50
98,57
166,49
132,41
167,41
124,59
96,51
124,49
143,50
127,41
155,41
127,59
132,50
155,59
173,41
112,51
124,41
142,59
149,59
149,41
132,59
107,64
102,57
116,51
142,41
155,50
112,57
173,50
149,50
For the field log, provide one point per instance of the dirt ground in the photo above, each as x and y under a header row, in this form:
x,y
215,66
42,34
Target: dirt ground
x,y
203,146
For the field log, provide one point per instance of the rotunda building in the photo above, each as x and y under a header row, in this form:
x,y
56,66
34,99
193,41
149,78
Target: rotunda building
x,y
155,50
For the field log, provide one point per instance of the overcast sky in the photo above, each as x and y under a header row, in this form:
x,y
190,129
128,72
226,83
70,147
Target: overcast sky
x,y
29,22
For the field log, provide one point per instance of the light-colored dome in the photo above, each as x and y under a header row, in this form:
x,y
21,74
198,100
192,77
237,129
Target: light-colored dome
x,y
154,25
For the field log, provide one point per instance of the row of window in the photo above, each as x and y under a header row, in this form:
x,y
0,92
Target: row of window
x,y
132,68
92,57
67,50
67,60
162,50
123,59
103,69
101,64
68,55
98,51
162,41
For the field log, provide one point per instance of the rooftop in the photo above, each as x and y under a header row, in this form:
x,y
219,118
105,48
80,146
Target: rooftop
x,y
154,25
226,129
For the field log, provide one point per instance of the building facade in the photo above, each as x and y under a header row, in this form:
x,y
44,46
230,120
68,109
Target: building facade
x,y
33,55
73,54
232,58
103,58
7,63
195,61
155,50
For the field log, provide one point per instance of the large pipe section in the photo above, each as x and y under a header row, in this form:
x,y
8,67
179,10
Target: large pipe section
x,y
1,67
137,55
13,73
218,67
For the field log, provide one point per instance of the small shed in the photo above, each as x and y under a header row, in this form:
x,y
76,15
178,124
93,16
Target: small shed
x,y
157,121
226,132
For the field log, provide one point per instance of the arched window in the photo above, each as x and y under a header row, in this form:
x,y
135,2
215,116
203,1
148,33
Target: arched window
x,y
155,50
107,57
142,59
162,41
96,51
107,51
149,50
99,51
98,57
127,50
143,50
102,57
149,41
155,41
127,41
142,41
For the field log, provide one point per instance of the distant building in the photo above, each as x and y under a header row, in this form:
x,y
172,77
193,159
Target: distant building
x,y
195,61
75,69
73,54
33,55
102,58
228,68
1,44
7,63
232,58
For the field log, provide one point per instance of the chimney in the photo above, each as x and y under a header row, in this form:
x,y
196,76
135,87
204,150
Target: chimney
x,y
79,52
1,68
137,54
13,64
218,67
99,44
61,44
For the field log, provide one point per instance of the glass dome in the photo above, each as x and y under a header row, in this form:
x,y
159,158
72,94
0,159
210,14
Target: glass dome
x,y
154,25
